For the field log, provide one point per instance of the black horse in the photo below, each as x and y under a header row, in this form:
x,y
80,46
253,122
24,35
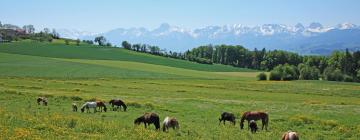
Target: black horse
x,y
226,116
118,103
147,119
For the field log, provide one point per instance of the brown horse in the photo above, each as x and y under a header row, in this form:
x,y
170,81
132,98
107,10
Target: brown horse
x,y
290,136
42,99
226,116
170,122
118,103
147,119
101,105
264,117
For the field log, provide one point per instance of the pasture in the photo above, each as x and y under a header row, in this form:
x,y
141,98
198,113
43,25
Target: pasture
x,y
195,96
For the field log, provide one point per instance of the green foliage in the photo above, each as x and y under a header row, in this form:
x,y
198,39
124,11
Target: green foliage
x,y
262,76
284,72
78,42
275,75
332,74
348,78
67,42
309,73
101,40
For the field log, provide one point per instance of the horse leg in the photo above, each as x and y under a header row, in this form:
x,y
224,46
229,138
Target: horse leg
x,y
145,125
263,124
248,125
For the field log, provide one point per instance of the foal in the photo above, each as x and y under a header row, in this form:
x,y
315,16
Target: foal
x,y
226,116
74,107
170,122
253,126
290,135
42,99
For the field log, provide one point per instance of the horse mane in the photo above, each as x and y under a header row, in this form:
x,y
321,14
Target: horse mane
x,y
84,105
243,117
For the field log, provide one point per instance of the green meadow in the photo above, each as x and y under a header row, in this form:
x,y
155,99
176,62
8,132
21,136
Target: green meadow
x,y
196,94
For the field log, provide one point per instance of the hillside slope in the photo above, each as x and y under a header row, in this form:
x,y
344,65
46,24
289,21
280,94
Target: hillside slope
x,y
91,52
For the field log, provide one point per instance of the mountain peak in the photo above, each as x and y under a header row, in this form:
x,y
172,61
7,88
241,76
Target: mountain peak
x,y
346,25
315,25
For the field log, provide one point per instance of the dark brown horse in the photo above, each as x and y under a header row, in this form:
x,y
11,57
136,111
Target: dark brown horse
x,y
226,116
264,117
118,103
290,135
147,119
43,100
101,105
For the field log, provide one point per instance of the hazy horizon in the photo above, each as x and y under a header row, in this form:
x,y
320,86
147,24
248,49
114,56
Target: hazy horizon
x,y
102,16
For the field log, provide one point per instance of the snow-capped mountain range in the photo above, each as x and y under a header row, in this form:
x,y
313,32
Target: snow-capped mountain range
x,y
311,39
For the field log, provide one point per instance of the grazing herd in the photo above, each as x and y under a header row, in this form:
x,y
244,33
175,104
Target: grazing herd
x,y
171,122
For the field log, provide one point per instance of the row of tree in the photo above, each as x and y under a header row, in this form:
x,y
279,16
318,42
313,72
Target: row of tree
x,y
340,66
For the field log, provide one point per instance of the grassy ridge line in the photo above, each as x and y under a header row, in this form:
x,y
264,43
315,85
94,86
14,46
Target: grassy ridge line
x,y
34,66
59,50
153,68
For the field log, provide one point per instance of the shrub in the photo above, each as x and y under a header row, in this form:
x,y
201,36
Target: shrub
x,y
332,74
348,78
275,75
309,73
284,72
67,42
261,76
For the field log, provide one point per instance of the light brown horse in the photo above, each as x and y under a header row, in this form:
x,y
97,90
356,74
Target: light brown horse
x,y
147,119
290,135
170,122
101,105
264,117
42,99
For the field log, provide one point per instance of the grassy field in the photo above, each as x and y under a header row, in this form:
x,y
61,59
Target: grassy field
x,y
58,49
315,109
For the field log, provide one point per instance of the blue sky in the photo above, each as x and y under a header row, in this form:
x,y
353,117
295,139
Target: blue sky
x,y
103,15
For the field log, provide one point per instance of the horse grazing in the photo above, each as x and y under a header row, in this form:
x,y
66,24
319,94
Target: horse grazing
x,y
118,103
88,105
170,122
290,135
253,126
74,107
101,105
264,117
147,119
42,99
226,116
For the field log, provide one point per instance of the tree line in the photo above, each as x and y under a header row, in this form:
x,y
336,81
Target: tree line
x,y
282,65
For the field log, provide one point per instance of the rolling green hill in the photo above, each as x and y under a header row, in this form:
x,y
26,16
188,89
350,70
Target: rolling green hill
x,y
58,49
195,94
